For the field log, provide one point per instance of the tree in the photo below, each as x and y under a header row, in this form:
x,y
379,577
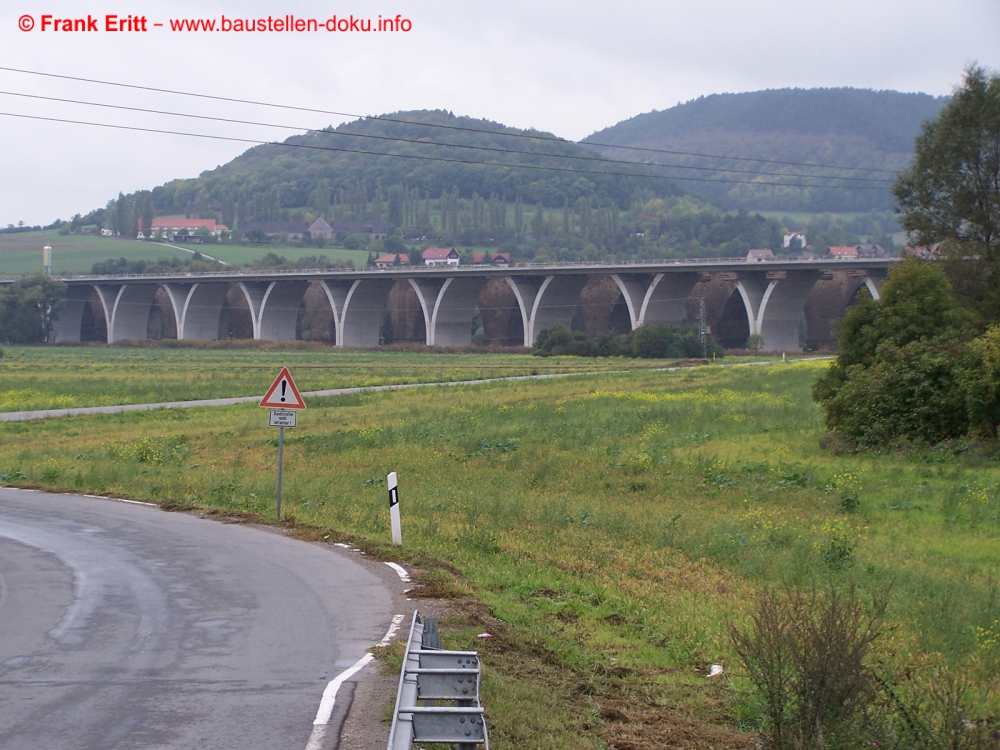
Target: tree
x,y
323,198
951,192
29,309
538,221
755,342
916,304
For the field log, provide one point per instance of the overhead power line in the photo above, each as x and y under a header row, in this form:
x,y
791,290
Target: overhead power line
x,y
419,157
532,136
392,139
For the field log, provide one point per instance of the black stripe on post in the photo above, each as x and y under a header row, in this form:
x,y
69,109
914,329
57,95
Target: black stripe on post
x,y
393,497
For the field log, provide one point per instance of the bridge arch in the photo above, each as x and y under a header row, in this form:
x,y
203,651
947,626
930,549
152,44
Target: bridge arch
x,y
69,326
656,298
360,320
274,307
197,309
449,307
829,300
545,301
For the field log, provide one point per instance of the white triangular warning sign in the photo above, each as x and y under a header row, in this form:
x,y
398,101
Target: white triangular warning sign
x,y
283,394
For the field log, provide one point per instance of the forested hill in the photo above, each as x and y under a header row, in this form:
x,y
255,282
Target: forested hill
x,y
361,160
843,126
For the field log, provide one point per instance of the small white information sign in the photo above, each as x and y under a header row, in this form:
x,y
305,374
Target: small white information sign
x,y
282,418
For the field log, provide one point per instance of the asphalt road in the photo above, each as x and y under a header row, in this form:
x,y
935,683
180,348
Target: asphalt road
x,y
123,626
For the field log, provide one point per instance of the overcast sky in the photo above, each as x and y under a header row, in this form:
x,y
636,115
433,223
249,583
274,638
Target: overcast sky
x,y
566,67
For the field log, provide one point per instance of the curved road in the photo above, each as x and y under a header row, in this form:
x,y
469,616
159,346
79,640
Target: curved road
x,y
123,626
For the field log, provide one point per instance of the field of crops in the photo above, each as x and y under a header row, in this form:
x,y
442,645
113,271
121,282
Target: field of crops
x,y
602,527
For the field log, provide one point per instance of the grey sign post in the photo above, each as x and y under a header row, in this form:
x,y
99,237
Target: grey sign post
x,y
282,397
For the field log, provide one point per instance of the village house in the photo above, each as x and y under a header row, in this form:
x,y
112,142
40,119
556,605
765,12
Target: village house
x,y
294,230
798,238
871,251
441,256
319,229
756,256
392,259
172,227
492,259
376,230
843,252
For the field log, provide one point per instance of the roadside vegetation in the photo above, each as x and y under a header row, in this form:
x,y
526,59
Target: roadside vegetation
x,y
609,531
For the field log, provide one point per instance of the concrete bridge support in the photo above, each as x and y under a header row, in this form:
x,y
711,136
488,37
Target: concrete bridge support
x,y
774,303
70,320
656,298
126,309
361,304
274,307
449,307
197,309
546,301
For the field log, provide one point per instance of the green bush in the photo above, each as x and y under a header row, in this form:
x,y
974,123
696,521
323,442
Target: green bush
x,y
913,392
905,369
981,379
661,341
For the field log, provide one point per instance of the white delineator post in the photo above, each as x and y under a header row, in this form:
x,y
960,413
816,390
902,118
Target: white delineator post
x,y
397,532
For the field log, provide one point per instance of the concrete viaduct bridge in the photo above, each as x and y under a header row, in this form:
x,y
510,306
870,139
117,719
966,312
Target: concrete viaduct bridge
x,y
772,295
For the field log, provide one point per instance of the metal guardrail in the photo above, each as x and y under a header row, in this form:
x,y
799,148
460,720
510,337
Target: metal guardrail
x,y
431,675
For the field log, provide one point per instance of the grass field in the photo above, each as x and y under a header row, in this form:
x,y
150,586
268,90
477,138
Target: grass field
x,y
602,528
66,377
21,254
243,254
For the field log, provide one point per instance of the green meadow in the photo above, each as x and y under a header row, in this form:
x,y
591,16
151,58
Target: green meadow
x,y
242,254
21,254
602,528
76,376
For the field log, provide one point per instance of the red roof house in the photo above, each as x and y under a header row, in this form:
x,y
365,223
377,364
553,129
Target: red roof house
x,y
175,226
495,259
844,252
389,259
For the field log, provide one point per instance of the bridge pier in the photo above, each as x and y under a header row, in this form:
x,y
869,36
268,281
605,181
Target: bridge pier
x,y
546,301
656,298
274,307
360,319
774,303
126,309
70,321
449,307
197,309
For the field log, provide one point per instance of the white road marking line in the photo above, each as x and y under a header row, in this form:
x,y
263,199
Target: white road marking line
x,y
123,500
400,571
330,694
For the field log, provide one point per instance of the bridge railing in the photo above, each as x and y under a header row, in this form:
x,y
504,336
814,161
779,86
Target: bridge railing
x,y
233,273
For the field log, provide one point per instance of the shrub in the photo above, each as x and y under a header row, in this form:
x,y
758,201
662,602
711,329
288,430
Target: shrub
x,y
904,370
660,341
806,653
981,379
911,392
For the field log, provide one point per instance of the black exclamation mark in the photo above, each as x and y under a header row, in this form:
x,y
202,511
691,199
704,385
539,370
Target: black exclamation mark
x,y
284,384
